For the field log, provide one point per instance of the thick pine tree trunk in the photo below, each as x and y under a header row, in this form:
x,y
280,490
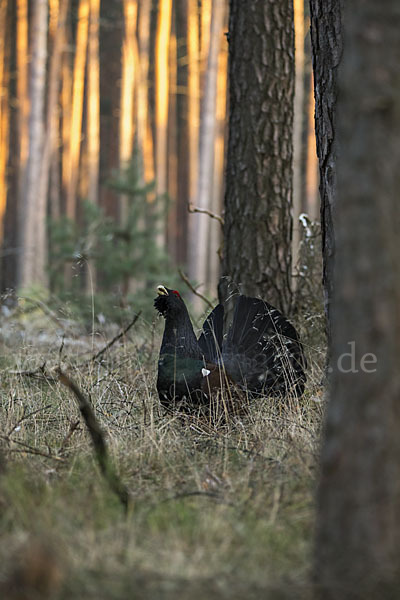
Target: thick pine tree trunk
x,y
326,39
258,198
358,528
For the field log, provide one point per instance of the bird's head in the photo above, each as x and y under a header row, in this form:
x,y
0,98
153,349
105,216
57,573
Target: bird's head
x,y
168,302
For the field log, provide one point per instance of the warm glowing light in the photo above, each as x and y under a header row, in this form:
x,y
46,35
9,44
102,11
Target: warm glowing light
x,y
22,79
93,101
77,104
4,118
126,120
194,94
162,77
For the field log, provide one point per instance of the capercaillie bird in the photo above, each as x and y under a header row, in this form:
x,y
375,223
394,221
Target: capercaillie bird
x,y
261,354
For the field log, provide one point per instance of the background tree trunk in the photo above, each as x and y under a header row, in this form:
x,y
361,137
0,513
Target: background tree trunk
x,y
326,39
78,84
33,242
215,230
258,198
129,75
4,112
51,129
298,135
201,222
162,81
358,533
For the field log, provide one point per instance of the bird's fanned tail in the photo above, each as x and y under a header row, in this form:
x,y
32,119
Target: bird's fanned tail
x,y
262,350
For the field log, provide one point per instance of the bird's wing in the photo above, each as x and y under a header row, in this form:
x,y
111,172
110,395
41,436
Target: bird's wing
x,y
210,340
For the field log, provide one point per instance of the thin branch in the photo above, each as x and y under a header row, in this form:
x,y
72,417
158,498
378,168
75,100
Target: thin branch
x,y
98,440
73,426
30,449
25,417
204,211
39,374
116,338
193,289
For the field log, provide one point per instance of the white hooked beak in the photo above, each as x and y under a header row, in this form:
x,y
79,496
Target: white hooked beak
x,y
162,291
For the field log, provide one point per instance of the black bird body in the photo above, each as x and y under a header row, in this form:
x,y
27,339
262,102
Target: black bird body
x,y
260,354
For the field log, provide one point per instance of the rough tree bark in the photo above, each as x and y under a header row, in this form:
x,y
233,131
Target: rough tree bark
x,y
358,527
258,198
326,39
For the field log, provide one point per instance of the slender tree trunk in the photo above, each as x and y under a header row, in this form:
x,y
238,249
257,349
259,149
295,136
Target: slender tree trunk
x,y
50,132
215,230
93,129
193,90
182,131
358,532
146,156
129,75
312,203
4,114
33,241
205,32
298,134
78,87
93,119
161,82
172,227
65,101
258,198
326,37
22,114
54,9
22,82
201,222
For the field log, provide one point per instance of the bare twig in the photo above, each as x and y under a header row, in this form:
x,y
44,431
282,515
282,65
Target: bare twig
x,y
73,426
193,289
25,417
39,373
116,338
98,440
30,449
204,211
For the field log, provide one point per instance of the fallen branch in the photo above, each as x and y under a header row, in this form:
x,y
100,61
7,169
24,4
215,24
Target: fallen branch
x,y
98,440
204,211
39,373
193,289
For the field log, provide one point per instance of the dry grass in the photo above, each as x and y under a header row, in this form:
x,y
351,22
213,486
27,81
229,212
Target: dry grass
x,y
219,512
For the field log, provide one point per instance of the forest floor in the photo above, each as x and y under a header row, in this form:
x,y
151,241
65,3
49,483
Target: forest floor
x,y
217,511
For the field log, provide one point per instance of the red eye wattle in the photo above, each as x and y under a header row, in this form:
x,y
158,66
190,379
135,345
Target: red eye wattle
x,y
176,293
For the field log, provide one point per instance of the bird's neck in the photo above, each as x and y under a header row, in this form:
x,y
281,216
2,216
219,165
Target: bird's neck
x,y
179,338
